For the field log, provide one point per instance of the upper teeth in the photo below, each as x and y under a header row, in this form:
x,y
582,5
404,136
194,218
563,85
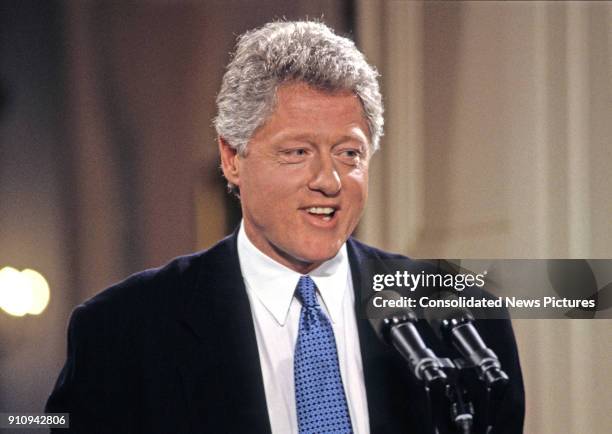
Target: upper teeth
x,y
318,210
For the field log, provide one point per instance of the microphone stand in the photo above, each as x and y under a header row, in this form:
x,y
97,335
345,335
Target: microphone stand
x,y
492,398
461,410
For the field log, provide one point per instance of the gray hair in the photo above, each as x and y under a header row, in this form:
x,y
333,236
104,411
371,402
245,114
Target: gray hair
x,y
280,52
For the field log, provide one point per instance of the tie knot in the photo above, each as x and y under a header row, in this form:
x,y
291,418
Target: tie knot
x,y
307,291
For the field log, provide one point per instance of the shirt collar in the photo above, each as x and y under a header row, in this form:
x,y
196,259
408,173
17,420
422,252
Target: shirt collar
x,y
274,284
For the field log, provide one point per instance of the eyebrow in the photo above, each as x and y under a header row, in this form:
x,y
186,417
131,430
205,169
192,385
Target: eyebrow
x,y
311,139
349,138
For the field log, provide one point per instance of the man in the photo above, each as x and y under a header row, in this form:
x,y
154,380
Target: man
x,y
260,333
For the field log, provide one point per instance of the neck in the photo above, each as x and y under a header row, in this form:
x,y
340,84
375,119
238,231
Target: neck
x,y
272,251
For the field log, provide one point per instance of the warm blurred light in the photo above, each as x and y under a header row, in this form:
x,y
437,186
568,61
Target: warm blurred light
x,y
14,298
25,292
39,289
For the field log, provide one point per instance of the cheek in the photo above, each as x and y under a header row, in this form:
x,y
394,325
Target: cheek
x,y
263,189
357,183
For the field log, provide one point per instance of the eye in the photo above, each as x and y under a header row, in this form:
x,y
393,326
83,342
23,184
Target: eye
x,y
351,156
294,155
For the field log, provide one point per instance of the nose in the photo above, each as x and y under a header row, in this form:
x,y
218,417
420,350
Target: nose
x,y
325,177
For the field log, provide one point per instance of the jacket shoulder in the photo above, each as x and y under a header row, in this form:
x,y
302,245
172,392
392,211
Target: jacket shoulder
x,y
368,252
161,287
370,260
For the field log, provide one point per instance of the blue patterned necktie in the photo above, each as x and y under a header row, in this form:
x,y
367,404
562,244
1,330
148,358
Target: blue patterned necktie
x,y
319,395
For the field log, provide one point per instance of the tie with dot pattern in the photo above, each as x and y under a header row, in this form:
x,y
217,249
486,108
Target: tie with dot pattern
x,y
320,401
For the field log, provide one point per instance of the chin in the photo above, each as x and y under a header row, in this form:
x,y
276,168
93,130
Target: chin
x,y
320,255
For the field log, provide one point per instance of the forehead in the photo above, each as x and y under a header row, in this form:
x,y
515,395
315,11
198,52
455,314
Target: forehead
x,y
303,109
300,97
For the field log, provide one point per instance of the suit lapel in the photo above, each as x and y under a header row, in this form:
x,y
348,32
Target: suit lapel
x,y
220,362
385,374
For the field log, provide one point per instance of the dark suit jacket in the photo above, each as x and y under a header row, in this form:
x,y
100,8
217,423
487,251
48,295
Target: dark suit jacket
x,y
173,350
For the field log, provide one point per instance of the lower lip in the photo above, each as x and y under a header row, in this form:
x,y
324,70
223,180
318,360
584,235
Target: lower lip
x,y
320,222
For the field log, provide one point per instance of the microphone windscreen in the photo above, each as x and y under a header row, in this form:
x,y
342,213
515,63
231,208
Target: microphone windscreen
x,y
445,311
381,315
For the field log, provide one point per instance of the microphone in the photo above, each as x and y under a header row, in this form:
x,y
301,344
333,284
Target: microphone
x,y
395,326
454,324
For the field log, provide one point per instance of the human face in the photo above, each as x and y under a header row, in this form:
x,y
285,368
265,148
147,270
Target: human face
x,y
304,179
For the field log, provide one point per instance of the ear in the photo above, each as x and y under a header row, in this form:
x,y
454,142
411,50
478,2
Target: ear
x,y
230,163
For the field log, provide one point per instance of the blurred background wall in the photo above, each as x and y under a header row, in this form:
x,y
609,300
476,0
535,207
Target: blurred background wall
x,y
497,145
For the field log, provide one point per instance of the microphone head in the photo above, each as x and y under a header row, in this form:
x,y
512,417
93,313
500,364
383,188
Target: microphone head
x,y
447,315
384,310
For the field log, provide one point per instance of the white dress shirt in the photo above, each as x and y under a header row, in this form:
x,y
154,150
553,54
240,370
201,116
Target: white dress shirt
x,y
276,312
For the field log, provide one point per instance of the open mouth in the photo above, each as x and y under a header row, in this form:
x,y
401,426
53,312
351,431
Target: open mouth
x,y
324,213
